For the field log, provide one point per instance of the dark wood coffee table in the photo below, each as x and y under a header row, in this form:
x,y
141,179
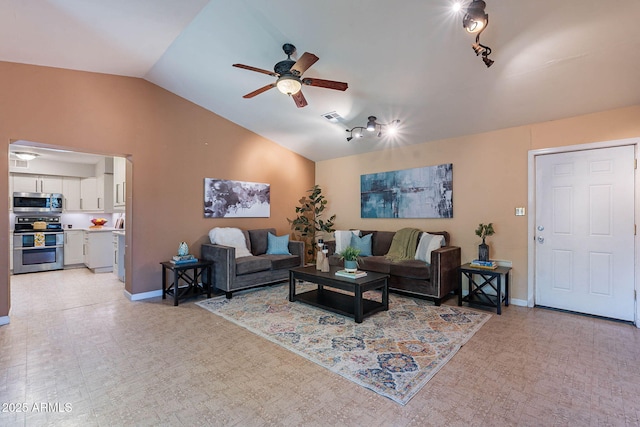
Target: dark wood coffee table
x,y
349,305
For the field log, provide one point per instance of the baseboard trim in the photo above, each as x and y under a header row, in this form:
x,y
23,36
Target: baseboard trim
x,y
142,295
4,320
519,302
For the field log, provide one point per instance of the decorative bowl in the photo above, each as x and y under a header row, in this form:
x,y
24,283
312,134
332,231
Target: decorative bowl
x,y
99,221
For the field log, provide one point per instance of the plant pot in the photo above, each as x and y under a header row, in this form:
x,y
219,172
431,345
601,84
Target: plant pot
x,y
351,266
483,252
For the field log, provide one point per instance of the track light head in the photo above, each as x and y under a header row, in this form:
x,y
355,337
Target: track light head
x,y
475,20
371,123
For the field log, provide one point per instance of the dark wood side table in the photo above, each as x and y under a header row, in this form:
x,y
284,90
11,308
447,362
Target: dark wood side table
x,y
189,273
489,280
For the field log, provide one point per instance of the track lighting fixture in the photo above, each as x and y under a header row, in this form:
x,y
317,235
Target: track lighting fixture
x,y
475,21
373,126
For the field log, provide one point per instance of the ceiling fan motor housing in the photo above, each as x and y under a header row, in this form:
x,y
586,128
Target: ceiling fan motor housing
x,y
284,67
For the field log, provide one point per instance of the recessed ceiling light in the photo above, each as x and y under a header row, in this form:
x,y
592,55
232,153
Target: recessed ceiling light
x,y
25,156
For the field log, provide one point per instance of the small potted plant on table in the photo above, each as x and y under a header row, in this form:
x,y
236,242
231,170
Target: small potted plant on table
x,y
350,256
483,231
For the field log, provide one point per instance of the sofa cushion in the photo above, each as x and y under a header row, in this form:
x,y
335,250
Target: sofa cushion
x,y
427,244
363,243
378,264
413,269
252,264
279,262
259,240
343,238
278,245
228,236
381,242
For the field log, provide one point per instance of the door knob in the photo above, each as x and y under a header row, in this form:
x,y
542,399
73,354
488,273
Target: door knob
x,y
540,239
540,228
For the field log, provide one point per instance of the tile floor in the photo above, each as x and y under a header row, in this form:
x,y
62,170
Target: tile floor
x,y
77,346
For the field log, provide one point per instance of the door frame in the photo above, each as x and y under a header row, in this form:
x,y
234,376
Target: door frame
x,y
531,220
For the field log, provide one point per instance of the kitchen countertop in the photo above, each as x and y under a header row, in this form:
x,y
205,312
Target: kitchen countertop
x,y
119,232
109,229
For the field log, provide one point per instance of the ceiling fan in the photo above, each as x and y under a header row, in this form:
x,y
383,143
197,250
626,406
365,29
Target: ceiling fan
x,y
289,74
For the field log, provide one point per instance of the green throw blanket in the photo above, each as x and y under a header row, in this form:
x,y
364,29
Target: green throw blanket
x,y
403,245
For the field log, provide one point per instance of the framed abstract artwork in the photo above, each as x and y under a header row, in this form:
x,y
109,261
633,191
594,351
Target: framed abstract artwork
x,y
234,199
425,192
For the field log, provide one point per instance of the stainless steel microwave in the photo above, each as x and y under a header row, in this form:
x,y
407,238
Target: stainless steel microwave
x,y
37,202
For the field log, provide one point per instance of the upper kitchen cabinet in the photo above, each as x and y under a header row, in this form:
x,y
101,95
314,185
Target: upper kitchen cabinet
x,y
96,192
71,193
26,183
89,197
119,179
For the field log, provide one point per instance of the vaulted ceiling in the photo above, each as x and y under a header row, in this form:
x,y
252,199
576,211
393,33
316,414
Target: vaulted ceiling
x,y
409,60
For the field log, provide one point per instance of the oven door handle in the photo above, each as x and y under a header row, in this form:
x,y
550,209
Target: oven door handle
x,y
22,248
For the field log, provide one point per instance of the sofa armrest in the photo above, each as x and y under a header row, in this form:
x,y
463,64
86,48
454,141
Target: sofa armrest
x,y
445,263
224,264
297,248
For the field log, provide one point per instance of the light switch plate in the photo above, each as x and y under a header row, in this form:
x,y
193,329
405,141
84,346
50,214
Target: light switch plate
x,y
520,211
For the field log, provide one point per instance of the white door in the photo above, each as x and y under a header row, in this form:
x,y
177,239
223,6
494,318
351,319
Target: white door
x,y
585,231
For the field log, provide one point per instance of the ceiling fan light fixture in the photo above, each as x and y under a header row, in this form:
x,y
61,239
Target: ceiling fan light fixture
x,y
289,85
25,156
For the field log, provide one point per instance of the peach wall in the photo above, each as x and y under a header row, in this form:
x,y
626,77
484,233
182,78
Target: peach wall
x,y
172,144
489,181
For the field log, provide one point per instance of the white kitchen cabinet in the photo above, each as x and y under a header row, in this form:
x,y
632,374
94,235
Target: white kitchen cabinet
x,y
71,193
96,193
119,179
73,247
10,192
11,250
98,250
89,194
118,254
26,183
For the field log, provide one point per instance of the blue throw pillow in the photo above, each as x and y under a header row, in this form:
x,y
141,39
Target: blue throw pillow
x,y
278,245
363,243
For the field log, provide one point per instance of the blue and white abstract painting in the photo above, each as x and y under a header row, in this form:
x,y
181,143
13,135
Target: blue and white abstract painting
x,y
425,192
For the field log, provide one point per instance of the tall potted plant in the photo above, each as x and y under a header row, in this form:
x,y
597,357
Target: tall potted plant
x,y
483,231
310,221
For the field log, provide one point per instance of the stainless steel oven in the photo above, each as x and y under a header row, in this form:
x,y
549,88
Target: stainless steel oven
x,y
38,245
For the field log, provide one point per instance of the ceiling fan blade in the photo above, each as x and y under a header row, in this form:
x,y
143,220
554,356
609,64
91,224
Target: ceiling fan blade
x,y
303,63
259,70
259,91
329,84
299,99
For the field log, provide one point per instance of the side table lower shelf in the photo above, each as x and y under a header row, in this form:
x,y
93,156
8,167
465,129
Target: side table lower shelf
x,y
485,286
189,274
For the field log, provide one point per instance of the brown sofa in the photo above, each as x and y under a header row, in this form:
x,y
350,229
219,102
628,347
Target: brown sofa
x,y
436,281
232,274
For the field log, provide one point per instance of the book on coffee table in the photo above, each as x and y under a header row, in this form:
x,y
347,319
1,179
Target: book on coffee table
x,y
356,275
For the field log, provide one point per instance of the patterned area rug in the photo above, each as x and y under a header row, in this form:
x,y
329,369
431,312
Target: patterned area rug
x,y
394,353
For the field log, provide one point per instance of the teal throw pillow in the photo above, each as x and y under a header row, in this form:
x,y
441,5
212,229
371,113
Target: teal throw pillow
x,y
363,243
278,245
